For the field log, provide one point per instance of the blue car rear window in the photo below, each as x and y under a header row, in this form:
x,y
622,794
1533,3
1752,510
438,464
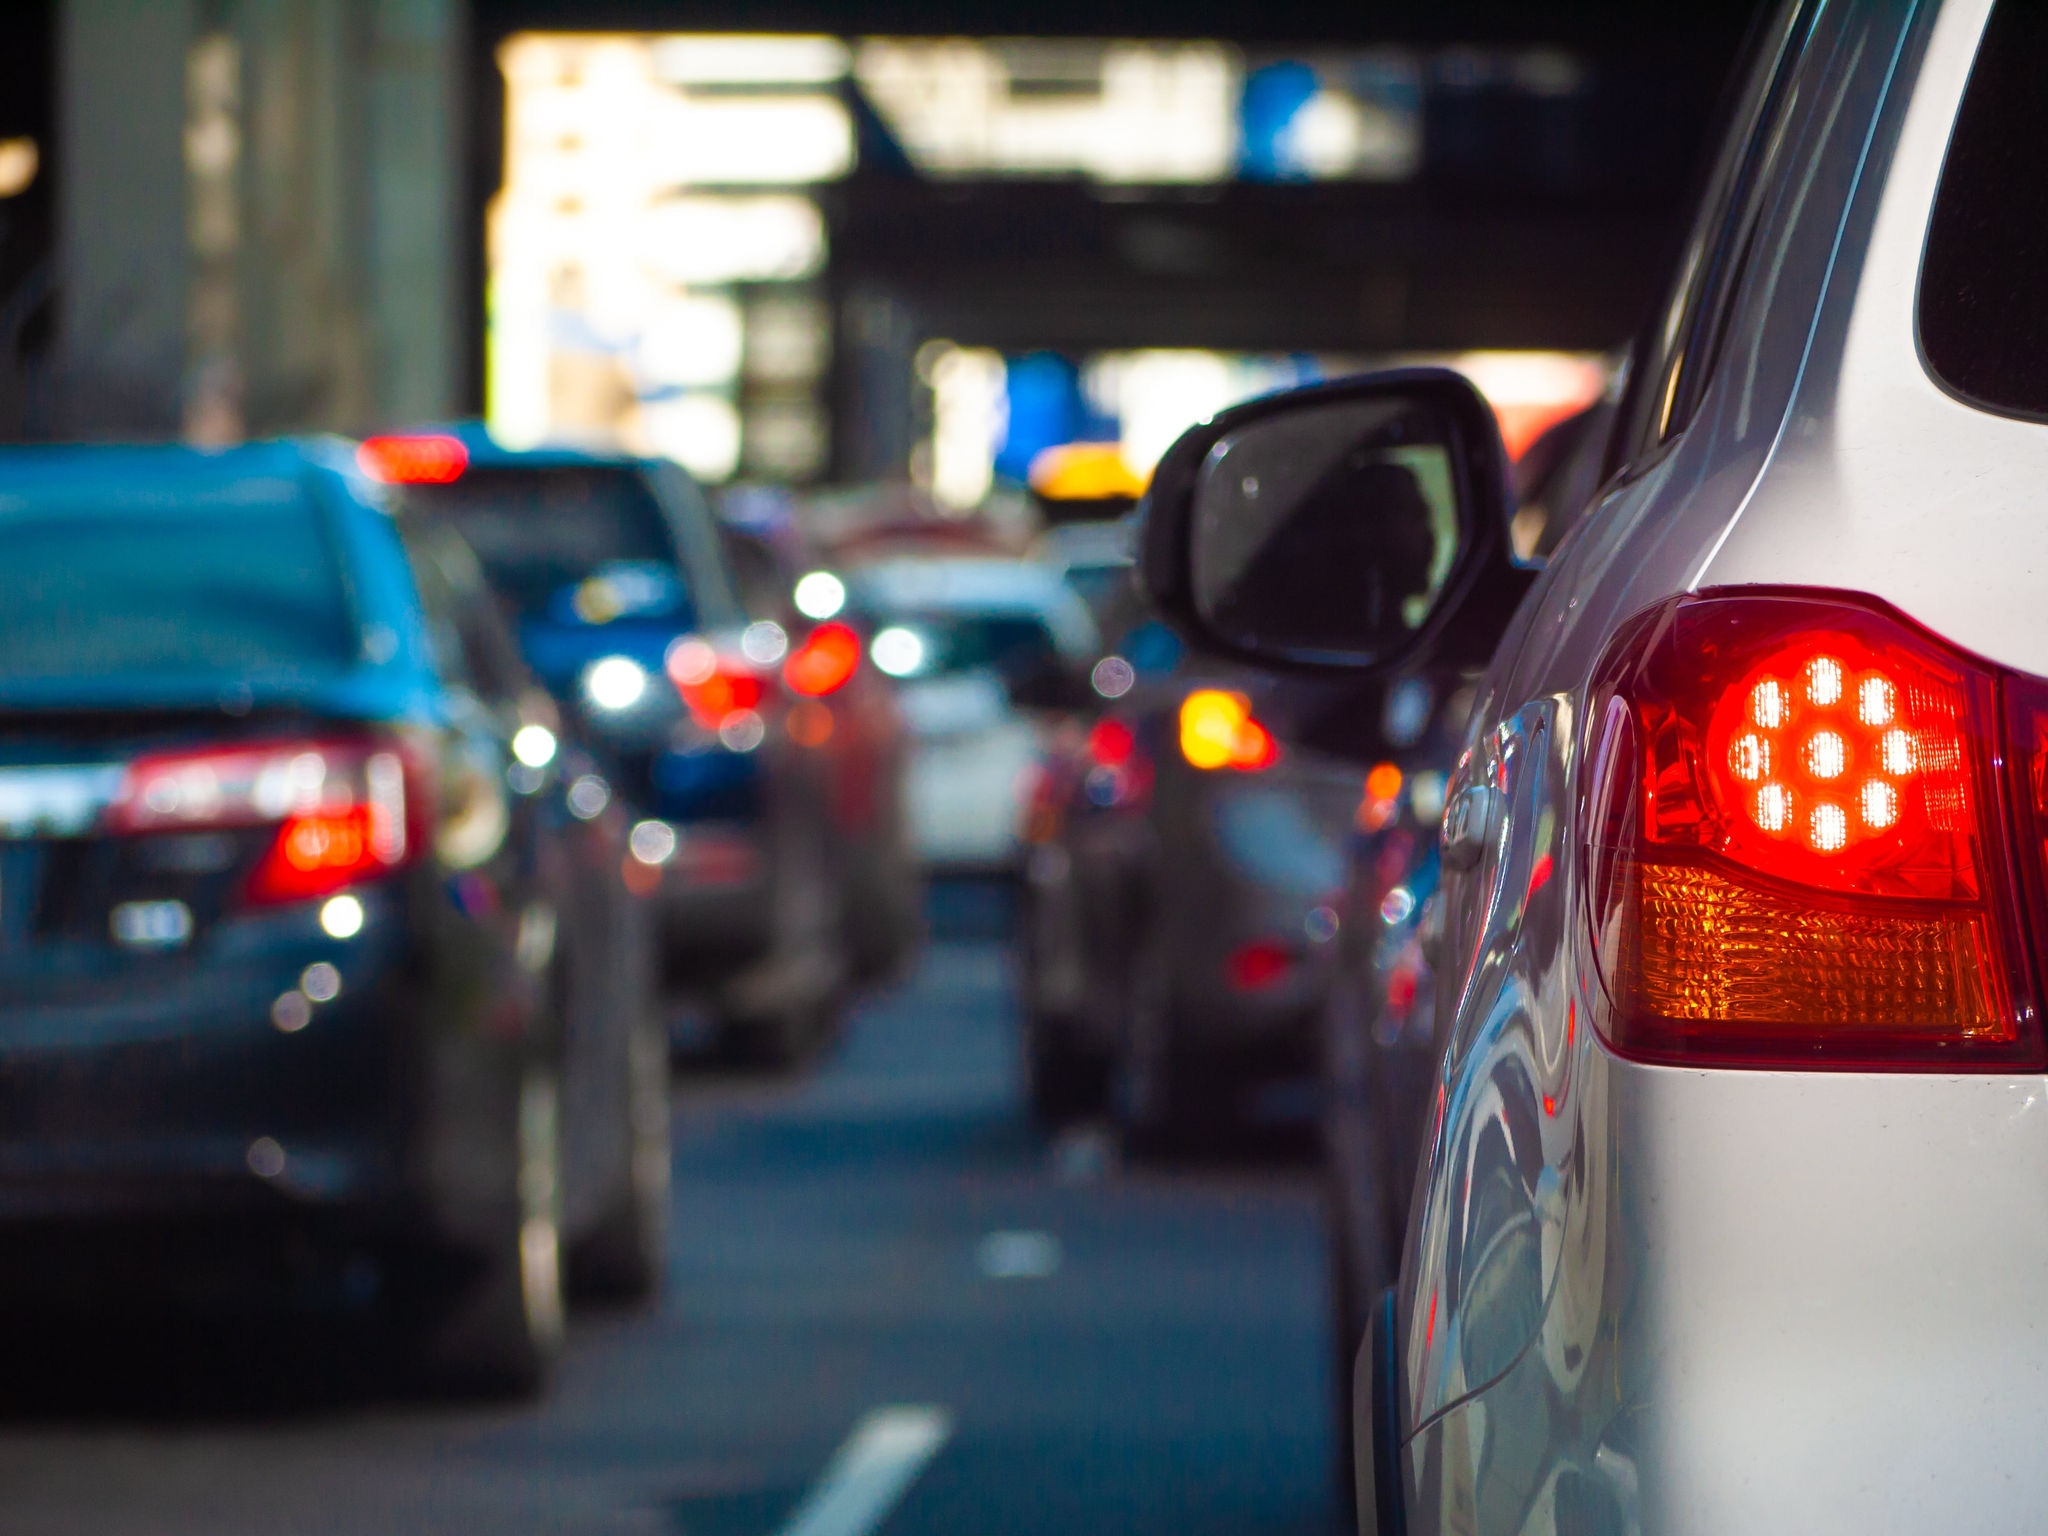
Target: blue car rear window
x,y
243,585
543,531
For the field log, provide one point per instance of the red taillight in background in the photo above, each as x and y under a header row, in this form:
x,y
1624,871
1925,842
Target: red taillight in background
x,y
824,663
341,807
1799,841
716,688
1119,775
1111,743
1260,964
421,459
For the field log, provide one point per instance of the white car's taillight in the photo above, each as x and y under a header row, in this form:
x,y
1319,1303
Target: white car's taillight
x,y
1802,840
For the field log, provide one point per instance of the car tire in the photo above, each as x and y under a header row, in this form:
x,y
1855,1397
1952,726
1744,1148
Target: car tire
x,y
493,1322
624,1257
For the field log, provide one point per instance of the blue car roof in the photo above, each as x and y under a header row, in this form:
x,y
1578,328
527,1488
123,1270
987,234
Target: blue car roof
x,y
486,451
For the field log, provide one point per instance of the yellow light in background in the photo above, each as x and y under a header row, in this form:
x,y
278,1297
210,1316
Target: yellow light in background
x,y
775,237
1123,112
970,413
694,340
741,58
19,161
1085,472
1532,391
1211,722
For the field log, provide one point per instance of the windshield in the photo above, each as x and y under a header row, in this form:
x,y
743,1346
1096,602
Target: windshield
x,y
582,543
241,589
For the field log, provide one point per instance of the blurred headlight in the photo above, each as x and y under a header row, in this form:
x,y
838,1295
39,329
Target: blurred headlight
x,y
897,651
819,595
534,745
614,683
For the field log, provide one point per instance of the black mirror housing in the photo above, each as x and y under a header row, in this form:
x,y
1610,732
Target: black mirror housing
x,y
1357,527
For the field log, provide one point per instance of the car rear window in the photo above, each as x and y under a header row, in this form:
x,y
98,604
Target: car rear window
x,y
240,587
1983,282
1015,646
542,532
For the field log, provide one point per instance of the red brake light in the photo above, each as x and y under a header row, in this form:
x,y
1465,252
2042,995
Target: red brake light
x,y
716,688
1119,775
341,808
824,663
426,459
1799,844
1260,964
1111,743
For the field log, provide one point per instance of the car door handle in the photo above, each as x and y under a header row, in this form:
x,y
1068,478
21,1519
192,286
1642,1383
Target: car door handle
x,y
1465,825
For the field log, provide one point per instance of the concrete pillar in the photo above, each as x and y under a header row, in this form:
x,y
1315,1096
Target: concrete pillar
x,y
123,255
415,204
259,215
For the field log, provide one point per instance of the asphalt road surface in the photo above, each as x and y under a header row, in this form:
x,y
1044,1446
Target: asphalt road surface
x,y
892,1308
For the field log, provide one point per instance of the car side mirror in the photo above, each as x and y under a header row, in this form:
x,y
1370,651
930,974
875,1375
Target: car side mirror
x,y
1358,526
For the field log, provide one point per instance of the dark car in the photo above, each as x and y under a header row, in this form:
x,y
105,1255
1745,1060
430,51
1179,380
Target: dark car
x,y
1180,870
846,717
628,610
300,936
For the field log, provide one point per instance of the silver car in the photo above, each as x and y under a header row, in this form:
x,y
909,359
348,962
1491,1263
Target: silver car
x,y
1732,1211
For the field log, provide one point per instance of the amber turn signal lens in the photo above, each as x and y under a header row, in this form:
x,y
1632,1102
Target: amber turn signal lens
x,y
1712,951
1217,731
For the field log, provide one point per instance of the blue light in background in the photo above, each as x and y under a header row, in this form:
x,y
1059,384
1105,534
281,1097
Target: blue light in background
x,y
1046,408
1273,94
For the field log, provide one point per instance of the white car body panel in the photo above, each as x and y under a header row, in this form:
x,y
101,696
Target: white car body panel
x,y
1674,1300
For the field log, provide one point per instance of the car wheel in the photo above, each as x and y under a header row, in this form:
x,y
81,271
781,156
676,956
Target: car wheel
x,y
626,1254
494,1325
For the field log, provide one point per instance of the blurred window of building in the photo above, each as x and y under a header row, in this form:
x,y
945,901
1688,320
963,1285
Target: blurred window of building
x,y
653,217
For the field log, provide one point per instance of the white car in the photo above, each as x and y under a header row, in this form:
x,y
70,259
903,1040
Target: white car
x,y
976,644
1732,1211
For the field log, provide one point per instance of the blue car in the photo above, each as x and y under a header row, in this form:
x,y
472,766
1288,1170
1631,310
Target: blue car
x,y
630,610
303,939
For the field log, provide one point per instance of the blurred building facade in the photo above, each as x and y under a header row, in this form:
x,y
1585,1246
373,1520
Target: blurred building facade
x,y
257,218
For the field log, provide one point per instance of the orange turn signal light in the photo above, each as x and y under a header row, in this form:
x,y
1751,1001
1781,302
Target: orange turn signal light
x,y
1217,731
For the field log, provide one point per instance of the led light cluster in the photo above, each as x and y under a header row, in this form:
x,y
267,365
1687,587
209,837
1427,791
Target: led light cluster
x,y
1826,761
1823,754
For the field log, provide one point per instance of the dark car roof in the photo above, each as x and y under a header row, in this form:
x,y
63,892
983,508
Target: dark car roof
x,y
173,468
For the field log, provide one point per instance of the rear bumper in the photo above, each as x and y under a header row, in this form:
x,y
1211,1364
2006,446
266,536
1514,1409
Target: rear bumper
x,y
167,1086
714,896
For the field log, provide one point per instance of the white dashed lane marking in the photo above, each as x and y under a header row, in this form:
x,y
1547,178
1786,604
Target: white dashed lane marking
x,y
871,1472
